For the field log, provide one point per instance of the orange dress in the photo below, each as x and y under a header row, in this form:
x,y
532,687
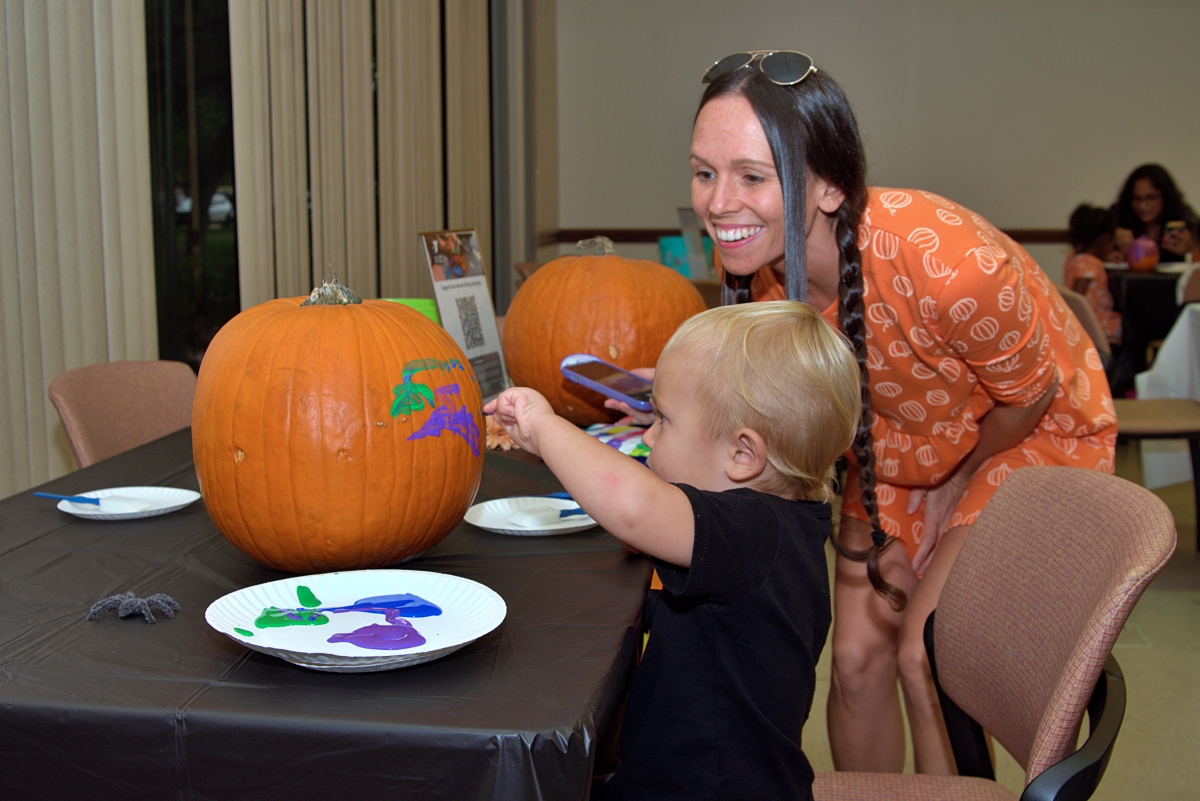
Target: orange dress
x,y
1085,265
959,319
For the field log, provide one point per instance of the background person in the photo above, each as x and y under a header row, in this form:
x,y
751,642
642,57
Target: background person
x,y
1150,204
1092,231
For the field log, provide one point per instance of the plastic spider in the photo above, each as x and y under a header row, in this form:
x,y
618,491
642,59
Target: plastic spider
x,y
127,605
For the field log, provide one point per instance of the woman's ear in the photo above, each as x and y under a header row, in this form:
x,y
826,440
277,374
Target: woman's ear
x,y
829,196
747,456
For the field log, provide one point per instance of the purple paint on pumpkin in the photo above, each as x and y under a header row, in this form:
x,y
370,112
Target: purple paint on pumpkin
x,y
458,421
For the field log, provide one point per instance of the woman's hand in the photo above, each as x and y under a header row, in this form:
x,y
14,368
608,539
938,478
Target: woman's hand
x,y
518,410
641,418
1179,241
939,506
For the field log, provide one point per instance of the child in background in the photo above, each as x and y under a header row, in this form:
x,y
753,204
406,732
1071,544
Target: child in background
x,y
753,404
1092,231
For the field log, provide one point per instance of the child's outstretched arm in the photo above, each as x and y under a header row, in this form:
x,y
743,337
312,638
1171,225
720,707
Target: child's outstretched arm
x,y
631,502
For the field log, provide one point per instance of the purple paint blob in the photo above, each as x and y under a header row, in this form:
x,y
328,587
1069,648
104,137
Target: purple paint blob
x,y
398,634
395,637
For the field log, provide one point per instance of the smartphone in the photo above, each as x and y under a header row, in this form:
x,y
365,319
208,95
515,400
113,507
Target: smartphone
x,y
608,379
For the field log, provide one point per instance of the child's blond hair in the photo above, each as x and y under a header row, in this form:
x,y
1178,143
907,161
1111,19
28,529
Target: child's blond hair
x,y
779,369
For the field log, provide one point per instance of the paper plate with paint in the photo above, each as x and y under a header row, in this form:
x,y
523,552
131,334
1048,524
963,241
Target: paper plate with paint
x,y
130,503
530,516
359,621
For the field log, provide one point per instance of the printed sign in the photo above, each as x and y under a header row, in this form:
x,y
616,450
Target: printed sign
x,y
465,304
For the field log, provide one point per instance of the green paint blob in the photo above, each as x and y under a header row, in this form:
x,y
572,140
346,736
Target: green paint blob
x,y
306,597
276,618
243,632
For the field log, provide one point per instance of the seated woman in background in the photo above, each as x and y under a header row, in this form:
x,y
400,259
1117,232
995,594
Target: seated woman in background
x,y
1150,204
1092,231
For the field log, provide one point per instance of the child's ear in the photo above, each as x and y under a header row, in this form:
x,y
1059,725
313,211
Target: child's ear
x,y
747,457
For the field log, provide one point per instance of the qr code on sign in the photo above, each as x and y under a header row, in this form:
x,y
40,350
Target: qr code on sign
x,y
468,317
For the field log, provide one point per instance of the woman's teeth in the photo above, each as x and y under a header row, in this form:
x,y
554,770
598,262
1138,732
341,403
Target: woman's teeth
x,y
735,234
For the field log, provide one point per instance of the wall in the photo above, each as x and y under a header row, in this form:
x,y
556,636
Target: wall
x,y
1017,109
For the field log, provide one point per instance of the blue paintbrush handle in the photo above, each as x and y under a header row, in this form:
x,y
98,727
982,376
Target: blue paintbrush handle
x,y
71,498
568,512
566,496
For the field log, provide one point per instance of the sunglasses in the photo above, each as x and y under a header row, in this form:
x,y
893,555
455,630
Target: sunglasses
x,y
783,67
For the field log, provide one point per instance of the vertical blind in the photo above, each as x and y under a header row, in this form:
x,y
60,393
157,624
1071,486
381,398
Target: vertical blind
x,y
357,124
76,222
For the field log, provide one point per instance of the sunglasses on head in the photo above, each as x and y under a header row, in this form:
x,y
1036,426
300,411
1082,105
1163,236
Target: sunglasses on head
x,y
783,67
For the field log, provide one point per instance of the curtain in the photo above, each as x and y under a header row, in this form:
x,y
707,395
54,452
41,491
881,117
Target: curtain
x,y
348,142
76,222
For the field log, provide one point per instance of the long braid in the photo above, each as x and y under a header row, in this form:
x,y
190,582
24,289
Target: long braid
x,y
810,126
851,319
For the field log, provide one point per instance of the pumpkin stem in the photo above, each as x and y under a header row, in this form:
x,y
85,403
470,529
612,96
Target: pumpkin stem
x,y
332,293
602,244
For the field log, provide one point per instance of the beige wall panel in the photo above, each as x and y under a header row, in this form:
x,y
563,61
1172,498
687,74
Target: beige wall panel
x,y
326,171
75,222
14,434
288,147
544,116
468,129
358,156
125,205
410,141
252,150
37,415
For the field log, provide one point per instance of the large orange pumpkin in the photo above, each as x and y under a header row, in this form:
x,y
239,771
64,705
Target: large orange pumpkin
x,y
339,436
619,310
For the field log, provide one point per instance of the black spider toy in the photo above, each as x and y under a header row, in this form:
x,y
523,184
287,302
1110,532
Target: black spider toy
x,y
127,605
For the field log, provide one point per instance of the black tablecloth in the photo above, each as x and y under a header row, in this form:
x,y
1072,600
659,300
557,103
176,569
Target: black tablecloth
x,y
1147,305
121,709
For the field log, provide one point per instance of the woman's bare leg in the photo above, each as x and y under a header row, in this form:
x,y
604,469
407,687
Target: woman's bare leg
x,y
931,744
866,727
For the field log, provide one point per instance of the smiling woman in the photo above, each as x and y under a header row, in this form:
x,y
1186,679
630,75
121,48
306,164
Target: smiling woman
x,y
971,367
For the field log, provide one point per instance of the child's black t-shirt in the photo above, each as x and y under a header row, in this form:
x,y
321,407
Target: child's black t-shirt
x,y
727,680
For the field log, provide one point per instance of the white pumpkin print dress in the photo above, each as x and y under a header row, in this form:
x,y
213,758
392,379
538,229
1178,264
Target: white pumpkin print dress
x,y
959,319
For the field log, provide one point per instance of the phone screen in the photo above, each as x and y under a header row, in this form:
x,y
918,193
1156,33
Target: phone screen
x,y
634,386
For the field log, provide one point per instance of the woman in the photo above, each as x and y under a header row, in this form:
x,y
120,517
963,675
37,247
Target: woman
x,y
1150,204
971,365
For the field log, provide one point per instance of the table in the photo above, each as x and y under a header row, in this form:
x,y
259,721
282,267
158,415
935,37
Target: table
x,y
120,709
1174,374
1147,305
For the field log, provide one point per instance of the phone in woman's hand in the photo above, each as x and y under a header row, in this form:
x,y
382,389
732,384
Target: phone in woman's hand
x,y
609,380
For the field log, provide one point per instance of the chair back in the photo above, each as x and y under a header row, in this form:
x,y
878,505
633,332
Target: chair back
x,y
111,407
1036,599
1086,315
1191,289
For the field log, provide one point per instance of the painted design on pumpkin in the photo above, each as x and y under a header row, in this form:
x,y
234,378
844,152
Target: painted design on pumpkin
x,y
397,634
456,420
449,412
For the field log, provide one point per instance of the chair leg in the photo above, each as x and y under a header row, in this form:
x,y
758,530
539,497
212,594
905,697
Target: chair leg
x,y
1194,447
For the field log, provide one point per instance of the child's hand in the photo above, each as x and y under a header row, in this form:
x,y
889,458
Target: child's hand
x,y
517,411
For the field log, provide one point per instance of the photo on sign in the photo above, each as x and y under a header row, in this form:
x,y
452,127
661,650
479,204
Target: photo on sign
x,y
452,254
464,303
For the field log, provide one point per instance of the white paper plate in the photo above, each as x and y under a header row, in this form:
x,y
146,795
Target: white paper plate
x,y
494,516
364,641
161,499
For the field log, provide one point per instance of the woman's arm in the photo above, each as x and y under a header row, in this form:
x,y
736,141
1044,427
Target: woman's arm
x,y
1000,429
630,501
